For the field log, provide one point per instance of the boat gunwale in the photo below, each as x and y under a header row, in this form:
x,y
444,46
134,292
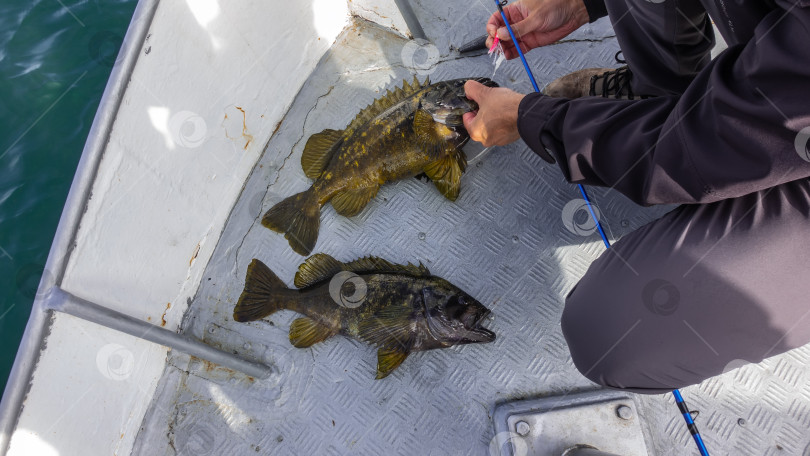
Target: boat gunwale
x,y
38,326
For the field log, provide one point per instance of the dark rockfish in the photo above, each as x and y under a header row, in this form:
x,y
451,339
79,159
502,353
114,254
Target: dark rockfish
x,y
414,129
400,309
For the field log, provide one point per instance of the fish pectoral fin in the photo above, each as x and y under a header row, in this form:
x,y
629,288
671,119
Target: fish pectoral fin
x,y
446,173
349,203
391,326
319,150
389,359
423,123
427,138
305,332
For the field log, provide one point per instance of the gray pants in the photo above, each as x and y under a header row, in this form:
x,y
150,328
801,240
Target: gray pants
x,y
708,287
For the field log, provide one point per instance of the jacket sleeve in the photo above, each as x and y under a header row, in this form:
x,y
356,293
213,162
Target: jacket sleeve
x,y
741,126
596,9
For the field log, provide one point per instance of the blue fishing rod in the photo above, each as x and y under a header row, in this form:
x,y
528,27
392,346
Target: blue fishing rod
x,y
687,415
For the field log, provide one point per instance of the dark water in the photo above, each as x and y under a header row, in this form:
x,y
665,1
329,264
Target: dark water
x,y
55,58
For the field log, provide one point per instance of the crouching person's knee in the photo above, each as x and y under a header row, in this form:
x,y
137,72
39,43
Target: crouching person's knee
x,y
584,344
603,347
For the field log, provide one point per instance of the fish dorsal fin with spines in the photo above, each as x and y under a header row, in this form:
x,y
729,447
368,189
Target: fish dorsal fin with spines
x,y
319,150
386,101
371,264
321,267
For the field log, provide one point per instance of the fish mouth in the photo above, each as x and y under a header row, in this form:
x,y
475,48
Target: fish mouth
x,y
469,104
450,103
480,335
451,117
475,330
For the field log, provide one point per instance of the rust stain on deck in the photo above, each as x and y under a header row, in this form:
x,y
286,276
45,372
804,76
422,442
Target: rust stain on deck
x,y
245,133
163,317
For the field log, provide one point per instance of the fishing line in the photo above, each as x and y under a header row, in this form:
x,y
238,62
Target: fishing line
x,y
480,155
687,416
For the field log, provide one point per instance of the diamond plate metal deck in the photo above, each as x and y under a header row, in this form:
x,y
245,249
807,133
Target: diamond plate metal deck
x,y
506,241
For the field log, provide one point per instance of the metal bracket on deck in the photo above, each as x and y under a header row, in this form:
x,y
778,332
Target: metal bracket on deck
x,y
596,423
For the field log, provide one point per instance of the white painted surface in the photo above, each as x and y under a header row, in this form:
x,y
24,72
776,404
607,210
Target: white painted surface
x,y
212,83
89,391
383,12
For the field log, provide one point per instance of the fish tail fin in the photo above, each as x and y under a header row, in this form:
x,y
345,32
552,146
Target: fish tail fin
x,y
261,296
299,218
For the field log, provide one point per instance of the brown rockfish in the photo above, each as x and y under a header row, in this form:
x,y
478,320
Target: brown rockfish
x,y
415,129
400,309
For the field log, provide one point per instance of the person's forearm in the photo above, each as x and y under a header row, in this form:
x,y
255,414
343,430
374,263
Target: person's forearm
x,y
733,132
613,143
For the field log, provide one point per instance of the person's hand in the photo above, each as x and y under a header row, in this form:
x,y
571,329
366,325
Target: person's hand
x,y
495,122
536,23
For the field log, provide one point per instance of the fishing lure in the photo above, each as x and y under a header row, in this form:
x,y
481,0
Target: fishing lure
x,y
498,56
